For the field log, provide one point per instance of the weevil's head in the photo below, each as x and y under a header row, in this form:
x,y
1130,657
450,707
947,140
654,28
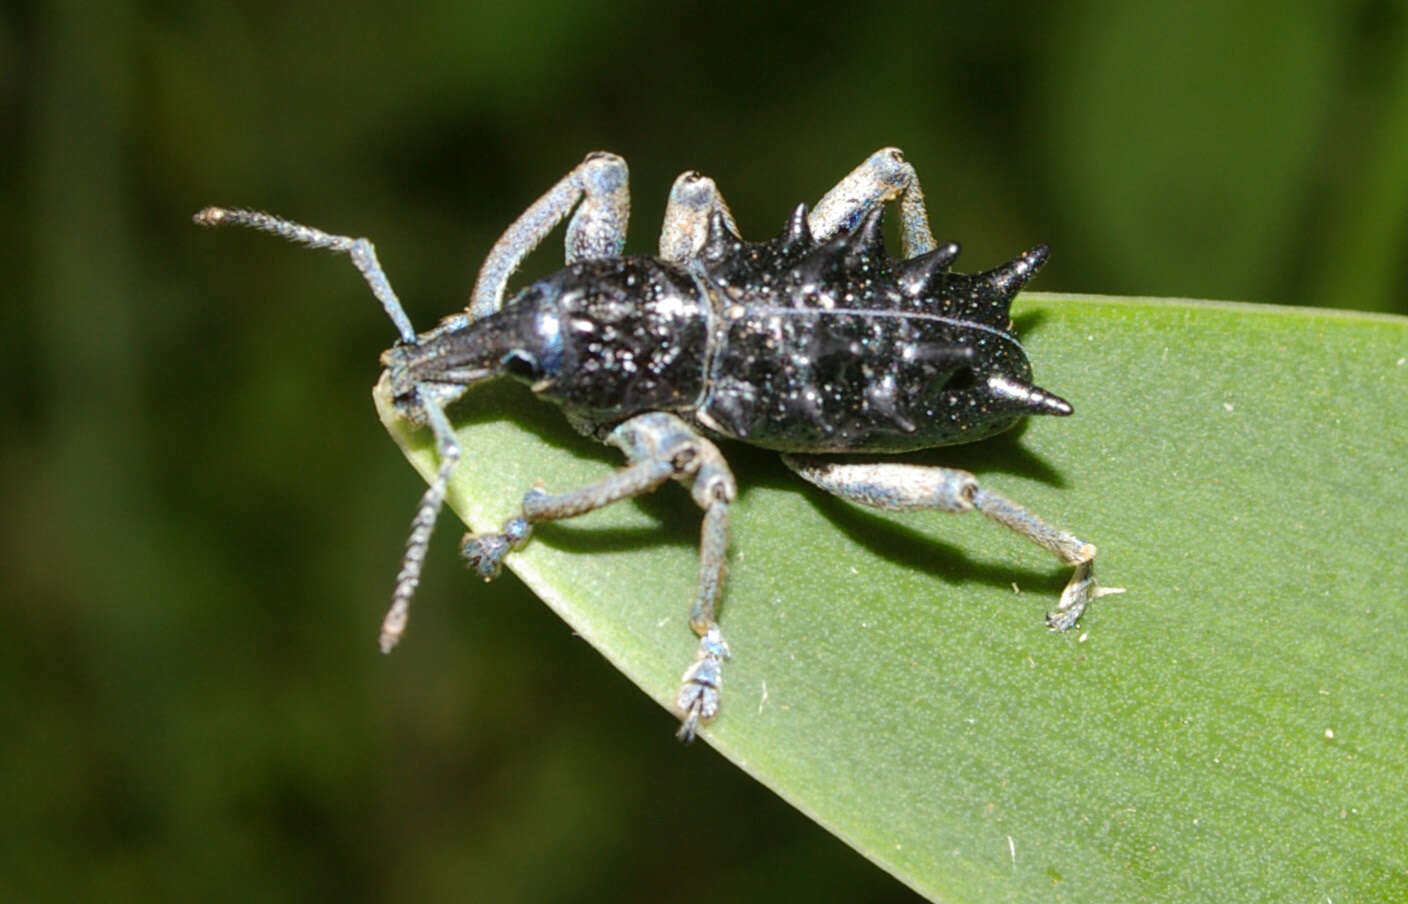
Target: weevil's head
x,y
521,340
603,338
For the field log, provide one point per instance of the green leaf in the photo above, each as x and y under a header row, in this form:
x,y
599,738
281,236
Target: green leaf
x,y
1234,727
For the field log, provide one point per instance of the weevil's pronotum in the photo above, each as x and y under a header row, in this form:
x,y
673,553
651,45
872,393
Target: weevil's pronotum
x,y
816,344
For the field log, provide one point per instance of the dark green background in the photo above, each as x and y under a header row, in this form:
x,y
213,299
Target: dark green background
x,y
201,517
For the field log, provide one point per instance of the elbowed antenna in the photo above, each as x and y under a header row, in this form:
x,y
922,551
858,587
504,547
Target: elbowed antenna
x,y
427,513
419,395
361,251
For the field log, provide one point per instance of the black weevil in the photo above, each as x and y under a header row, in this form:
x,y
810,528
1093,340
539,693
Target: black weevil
x,y
815,343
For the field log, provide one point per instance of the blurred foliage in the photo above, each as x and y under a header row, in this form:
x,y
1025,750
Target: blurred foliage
x,y
201,518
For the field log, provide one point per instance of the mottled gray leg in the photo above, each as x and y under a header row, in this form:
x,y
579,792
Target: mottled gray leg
x,y
884,176
659,447
598,228
693,199
904,487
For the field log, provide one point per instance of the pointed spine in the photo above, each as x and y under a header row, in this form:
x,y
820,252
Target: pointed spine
x,y
868,238
882,397
720,238
1009,278
1028,398
917,274
796,233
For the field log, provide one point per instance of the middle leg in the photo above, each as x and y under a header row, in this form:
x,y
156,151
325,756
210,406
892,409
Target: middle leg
x,y
693,200
884,176
659,447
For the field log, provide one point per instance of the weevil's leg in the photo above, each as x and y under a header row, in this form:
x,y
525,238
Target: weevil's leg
x,y
1082,587
693,199
884,176
485,552
361,251
659,447
598,228
702,682
418,543
904,487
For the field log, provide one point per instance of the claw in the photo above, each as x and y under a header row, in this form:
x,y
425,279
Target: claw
x,y
699,704
699,697
1081,589
485,552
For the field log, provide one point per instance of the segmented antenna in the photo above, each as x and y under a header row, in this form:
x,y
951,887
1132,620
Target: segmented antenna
x,y
360,250
427,513
363,256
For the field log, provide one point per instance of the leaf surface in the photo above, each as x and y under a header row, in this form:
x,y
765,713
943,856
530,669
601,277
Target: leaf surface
x,y
1234,727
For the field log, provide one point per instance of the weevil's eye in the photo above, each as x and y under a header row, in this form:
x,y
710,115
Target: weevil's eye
x,y
532,345
521,364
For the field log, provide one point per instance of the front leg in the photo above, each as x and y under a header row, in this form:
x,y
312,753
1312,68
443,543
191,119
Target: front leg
x,y
601,183
659,447
905,487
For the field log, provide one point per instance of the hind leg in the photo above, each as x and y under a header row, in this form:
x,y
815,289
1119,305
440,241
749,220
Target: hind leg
x,y
904,487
